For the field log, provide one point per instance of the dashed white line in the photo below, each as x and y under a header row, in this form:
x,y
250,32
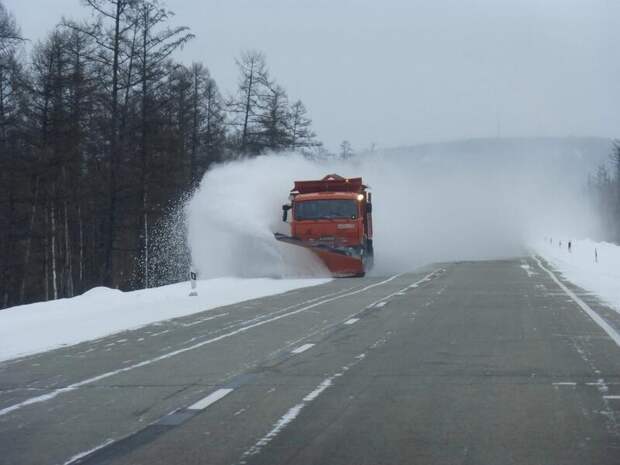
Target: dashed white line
x,y
202,320
55,393
612,397
210,399
351,321
381,304
81,455
301,349
294,411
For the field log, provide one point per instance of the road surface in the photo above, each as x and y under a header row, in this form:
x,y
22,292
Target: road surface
x,y
497,362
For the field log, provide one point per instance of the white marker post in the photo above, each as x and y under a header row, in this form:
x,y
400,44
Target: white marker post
x,y
192,280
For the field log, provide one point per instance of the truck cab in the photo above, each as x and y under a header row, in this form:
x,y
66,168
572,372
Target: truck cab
x,y
333,218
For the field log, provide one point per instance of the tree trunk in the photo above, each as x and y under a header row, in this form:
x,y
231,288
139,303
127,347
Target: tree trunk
x,y
246,117
46,261
53,251
33,212
68,258
81,235
113,170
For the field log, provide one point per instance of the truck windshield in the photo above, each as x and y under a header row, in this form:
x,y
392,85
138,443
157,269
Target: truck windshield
x,y
325,209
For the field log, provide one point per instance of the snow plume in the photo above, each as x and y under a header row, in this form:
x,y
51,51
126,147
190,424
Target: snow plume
x,y
426,209
236,210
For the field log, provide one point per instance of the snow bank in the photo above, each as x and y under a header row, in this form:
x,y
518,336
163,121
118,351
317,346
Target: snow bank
x,y
28,329
579,265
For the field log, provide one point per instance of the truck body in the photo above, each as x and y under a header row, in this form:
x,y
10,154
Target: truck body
x,y
333,218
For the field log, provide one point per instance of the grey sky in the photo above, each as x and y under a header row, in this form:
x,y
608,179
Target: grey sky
x,y
398,72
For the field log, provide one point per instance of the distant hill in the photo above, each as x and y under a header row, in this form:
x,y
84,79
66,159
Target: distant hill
x,y
579,155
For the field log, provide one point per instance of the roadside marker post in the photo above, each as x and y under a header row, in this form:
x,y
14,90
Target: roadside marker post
x,y
192,280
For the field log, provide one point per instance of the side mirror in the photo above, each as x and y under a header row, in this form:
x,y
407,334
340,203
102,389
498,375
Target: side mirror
x,y
285,209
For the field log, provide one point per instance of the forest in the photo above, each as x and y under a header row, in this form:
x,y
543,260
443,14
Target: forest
x,y
102,131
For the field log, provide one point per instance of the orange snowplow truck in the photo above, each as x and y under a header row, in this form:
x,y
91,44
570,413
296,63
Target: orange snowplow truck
x,y
333,218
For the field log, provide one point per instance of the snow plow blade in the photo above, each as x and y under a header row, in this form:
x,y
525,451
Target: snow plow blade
x,y
338,261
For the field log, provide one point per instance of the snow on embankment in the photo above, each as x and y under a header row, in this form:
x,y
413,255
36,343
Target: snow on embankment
x,y
579,266
28,329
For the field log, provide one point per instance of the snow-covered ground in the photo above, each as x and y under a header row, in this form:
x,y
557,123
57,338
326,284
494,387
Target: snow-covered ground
x,y
579,266
28,329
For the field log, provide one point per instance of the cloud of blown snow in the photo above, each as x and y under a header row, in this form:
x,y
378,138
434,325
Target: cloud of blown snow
x,y
426,209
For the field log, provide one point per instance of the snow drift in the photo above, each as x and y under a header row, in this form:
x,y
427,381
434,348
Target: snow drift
x,y
447,205
33,328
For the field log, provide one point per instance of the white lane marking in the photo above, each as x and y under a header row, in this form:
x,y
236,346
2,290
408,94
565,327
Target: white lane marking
x,y
351,321
210,399
284,420
612,397
160,333
56,392
426,278
202,320
318,390
377,304
611,332
81,455
566,383
294,411
301,349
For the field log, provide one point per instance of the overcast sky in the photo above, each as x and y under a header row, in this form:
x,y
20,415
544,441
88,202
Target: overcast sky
x,y
398,72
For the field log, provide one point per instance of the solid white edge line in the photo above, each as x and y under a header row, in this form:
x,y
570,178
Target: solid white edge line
x,y
210,399
56,392
611,332
301,349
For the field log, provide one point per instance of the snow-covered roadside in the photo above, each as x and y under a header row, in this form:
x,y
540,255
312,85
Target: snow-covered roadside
x,y
579,265
33,328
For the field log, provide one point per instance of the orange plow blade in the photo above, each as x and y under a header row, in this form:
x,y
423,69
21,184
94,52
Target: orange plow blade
x,y
338,262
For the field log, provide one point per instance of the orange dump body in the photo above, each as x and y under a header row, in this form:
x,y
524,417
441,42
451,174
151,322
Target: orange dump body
x,y
332,217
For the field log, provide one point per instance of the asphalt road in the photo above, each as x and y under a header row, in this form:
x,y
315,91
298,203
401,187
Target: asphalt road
x,y
461,363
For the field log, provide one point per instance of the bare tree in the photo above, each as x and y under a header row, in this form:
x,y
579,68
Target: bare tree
x,y
251,90
274,119
10,36
156,46
302,137
346,150
114,20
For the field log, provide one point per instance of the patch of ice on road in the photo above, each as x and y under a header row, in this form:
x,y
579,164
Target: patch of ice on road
x,y
33,328
593,266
